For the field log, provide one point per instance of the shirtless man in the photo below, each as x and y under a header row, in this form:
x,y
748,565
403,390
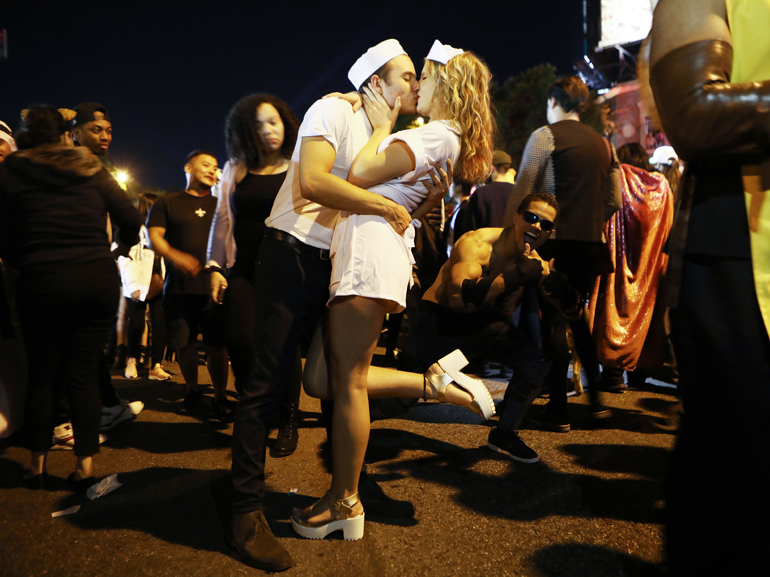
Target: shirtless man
x,y
710,75
490,273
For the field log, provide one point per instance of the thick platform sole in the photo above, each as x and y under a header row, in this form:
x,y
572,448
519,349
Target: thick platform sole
x,y
352,529
451,365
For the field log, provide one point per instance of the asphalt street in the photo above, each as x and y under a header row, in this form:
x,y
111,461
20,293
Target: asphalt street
x,y
593,505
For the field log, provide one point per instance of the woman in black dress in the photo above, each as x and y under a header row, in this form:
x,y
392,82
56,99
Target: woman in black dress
x,y
261,132
54,201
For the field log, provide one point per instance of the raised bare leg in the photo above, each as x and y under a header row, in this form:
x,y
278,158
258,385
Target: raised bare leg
x,y
382,383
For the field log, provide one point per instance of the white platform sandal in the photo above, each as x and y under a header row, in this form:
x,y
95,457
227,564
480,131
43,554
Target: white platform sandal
x,y
352,526
482,405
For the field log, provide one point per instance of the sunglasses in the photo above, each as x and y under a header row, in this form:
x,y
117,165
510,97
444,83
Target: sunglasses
x,y
532,218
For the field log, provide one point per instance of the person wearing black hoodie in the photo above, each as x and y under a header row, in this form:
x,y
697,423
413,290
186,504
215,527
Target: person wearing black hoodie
x,y
54,201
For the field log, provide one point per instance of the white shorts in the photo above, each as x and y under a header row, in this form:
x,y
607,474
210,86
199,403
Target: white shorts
x,y
370,259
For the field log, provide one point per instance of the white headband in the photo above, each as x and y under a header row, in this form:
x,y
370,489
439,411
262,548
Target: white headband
x,y
442,53
373,60
7,135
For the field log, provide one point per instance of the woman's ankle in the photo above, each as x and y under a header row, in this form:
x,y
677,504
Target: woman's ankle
x,y
84,467
37,462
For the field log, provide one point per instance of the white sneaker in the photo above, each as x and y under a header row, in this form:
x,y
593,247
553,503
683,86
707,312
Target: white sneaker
x,y
63,433
158,374
69,444
135,407
131,369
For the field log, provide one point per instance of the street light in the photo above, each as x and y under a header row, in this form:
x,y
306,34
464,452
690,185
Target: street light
x,y
122,176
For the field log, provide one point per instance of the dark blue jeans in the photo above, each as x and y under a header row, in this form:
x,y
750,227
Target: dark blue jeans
x,y
292,288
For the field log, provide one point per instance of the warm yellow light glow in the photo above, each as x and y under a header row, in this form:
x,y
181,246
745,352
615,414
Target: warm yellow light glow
x,y
122,176
420,121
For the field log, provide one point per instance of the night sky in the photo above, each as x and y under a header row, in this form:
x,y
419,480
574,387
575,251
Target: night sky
x,y
169,72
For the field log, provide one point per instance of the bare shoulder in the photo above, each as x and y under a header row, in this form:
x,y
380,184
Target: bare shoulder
x,y
473,250
476,243
677,23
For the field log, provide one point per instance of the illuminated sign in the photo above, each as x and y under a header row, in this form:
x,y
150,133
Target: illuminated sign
x,y
625,21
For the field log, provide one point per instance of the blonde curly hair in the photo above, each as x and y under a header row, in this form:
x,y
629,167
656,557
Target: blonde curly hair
x,y
462,96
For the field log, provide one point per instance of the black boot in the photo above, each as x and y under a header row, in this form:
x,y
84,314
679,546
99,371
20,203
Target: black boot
x,y
286,441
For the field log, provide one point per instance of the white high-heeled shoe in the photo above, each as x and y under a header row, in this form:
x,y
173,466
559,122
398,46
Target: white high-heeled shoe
x,y
352,526
482,405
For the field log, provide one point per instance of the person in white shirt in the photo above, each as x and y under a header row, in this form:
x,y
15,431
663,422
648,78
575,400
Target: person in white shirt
x,y
292,278
372,268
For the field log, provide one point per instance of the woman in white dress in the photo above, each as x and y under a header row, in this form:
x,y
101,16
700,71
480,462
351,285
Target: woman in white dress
x,y
372,271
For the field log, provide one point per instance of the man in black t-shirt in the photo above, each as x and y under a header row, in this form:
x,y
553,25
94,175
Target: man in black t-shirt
x,y
178,226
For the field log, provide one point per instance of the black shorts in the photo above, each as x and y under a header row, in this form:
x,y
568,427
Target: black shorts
x,y
187,315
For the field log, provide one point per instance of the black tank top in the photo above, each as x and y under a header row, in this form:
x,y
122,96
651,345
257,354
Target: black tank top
x,y
251,203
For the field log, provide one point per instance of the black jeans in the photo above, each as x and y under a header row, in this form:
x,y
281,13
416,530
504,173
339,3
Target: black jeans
x,y
292,288
240,308
718,503
65,314
136,313
582,263
438,331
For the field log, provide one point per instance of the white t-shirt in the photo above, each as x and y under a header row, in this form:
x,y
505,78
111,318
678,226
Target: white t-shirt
x,y
347,132
432,143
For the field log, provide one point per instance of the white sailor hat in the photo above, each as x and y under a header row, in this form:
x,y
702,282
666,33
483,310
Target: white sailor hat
x,y
442,53
373,60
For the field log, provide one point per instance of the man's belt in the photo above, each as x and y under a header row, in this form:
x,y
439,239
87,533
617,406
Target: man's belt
x,y
286,238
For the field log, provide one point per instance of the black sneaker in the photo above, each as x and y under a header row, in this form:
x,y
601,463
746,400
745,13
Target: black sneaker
x,y
191,401
599,412
222,411
377,503
511,444
548,421
288,436
252,539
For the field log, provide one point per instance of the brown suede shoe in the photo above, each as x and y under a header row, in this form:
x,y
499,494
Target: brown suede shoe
x,y
252,538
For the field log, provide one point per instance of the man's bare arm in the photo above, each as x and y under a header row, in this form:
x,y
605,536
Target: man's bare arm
x,y
437,186
465,263
187,263
469,289
319,185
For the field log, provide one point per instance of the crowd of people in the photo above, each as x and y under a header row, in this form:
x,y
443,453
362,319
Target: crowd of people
x,y
322,227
